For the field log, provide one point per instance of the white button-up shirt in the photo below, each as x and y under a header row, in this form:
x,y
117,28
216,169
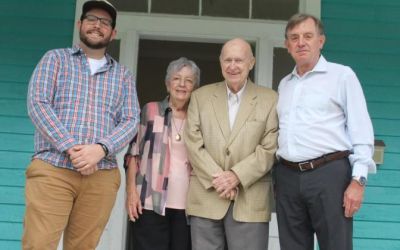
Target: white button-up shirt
x,y
234,103
325,111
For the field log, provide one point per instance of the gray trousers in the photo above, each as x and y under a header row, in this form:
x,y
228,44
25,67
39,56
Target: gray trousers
x,y
228,234
312,202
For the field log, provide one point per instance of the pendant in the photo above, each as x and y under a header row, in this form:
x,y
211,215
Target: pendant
x,y
178,137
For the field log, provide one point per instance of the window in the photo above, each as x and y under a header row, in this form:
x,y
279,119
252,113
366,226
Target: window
x,y
247,9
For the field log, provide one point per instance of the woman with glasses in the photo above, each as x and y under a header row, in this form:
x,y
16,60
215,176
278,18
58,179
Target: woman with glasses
x,y
157,167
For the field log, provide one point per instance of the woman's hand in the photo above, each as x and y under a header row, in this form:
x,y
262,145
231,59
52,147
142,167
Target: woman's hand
x,y
133,204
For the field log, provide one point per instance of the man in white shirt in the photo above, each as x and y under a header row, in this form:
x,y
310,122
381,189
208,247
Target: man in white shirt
x,y
325,144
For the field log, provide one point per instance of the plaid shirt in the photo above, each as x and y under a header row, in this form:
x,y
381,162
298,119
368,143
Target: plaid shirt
x,y
69,106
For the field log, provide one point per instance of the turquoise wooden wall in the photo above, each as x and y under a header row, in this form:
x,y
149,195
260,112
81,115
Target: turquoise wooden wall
x,y
28,28
365,34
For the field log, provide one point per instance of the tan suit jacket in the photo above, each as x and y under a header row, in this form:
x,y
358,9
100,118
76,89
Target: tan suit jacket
x,y
248,150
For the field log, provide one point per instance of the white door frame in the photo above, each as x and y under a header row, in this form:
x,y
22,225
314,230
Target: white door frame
x,y
131,27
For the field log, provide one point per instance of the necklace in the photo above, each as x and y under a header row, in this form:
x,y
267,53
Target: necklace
x,y
178,136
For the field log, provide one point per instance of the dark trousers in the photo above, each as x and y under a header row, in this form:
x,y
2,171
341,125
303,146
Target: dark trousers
x,y
155,232
312,202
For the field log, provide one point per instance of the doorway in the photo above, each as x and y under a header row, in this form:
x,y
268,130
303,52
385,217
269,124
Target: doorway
x,y
155,55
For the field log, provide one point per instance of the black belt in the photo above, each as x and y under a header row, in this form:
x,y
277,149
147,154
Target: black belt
x,y
317,162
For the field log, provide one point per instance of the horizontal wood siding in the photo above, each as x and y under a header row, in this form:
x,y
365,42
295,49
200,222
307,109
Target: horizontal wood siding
x,y
29,28
364,35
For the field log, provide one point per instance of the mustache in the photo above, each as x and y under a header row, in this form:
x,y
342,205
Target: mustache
x,y
95,30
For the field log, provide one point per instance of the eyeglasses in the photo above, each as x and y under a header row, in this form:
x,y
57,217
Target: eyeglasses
x,y
179,80
238,61
91,19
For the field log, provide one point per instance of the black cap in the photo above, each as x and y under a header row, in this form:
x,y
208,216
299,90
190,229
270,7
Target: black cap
x,y
100,4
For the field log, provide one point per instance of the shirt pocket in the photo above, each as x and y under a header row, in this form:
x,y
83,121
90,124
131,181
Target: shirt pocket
x,y
313,108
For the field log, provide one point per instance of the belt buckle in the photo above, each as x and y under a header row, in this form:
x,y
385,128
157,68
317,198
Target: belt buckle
x,y
301,164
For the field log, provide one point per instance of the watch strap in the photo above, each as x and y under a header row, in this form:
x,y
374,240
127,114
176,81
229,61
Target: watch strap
x,y
104,147
361,180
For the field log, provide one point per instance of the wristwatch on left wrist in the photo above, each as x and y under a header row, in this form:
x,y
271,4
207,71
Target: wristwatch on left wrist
x,y
361,180
104,147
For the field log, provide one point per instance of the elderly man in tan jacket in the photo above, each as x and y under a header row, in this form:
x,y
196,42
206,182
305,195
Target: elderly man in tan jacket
x,y
231,136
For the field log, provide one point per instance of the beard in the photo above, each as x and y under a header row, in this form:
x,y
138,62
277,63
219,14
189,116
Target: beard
x,y
94,45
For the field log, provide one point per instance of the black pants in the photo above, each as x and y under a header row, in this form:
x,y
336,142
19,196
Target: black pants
x,y
155,232
312,202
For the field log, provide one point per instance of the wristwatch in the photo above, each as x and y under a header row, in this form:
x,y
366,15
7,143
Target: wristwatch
x,y
105,149
361,180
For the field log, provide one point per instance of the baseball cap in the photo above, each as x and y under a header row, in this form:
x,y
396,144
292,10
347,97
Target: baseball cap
x,y
100,4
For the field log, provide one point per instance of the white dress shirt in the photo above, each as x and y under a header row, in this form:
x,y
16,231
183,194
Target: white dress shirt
x,y
325,111
234,103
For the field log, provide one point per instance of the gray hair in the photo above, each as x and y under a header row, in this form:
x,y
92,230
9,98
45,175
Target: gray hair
x,y
179,64
299,18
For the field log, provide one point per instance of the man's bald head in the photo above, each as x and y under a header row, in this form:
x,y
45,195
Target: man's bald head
x,y
238,42
236,61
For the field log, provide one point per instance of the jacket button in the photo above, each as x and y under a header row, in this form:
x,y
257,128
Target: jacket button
x,y
228,152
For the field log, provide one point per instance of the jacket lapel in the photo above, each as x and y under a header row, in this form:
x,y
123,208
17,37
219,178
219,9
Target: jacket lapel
x,y
245,109
220,104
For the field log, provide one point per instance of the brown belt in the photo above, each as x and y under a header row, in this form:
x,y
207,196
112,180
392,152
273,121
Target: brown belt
x,y
317,162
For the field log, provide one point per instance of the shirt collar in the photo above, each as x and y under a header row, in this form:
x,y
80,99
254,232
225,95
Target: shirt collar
x,y
238,94
165,104
76,50
321,66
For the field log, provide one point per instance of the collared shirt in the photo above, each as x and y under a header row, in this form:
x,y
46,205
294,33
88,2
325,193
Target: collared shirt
x,y
152,148
234,103
69,106
325,111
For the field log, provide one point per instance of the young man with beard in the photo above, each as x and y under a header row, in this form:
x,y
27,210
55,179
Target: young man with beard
x,y
84,107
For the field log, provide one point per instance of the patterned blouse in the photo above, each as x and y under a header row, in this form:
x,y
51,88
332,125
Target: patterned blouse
x,y
151,147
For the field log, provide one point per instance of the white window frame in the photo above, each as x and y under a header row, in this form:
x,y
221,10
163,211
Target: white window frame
x,y
131,27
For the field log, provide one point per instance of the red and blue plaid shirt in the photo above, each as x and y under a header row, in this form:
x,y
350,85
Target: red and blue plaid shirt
x,y
69,106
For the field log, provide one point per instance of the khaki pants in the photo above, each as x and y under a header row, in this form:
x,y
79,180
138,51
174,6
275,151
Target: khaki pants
x,y
61,200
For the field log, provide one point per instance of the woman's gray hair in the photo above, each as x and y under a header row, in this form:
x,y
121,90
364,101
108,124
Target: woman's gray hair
x,y
179,64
